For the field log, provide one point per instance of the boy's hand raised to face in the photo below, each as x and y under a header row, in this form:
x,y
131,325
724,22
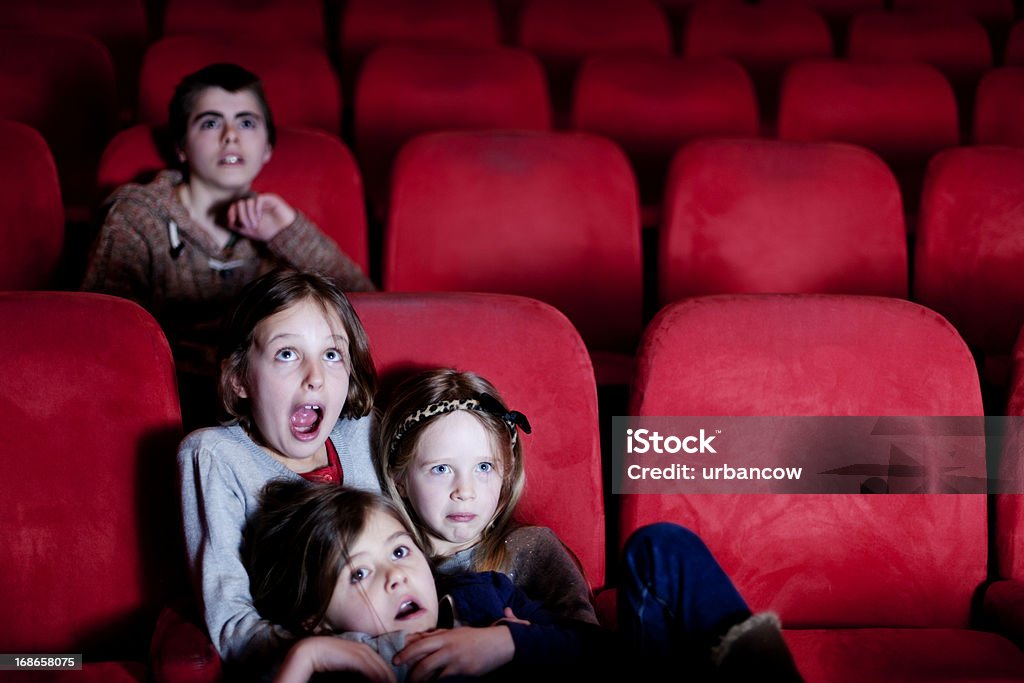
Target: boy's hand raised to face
x,y
260,216
326,653
463,650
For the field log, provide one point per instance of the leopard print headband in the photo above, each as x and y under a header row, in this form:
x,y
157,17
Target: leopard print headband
x,y
483,403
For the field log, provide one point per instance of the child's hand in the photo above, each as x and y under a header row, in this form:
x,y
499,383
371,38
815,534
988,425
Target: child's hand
x,y
510,618
449,652
260,216
325,653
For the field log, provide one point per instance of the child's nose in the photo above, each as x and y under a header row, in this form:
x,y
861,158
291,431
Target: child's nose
x,y
396,578
463,488
314,376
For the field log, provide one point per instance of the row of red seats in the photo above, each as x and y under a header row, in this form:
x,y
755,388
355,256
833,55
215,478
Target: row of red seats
x,y
879,588
555,216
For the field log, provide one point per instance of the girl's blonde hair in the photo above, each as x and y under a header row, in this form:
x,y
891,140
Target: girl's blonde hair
x,y
274,292
417,403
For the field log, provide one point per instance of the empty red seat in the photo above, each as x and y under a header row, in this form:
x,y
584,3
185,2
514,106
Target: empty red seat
x,y
553,216
651,105
121,25
62,85
969,251
956,44
763,38
92,537
565,32
1014,54
31,213
519,344
367,24
407,90
874,587
311,170
999,107
298,80
904,112
274,22
834,10
770,216
987,11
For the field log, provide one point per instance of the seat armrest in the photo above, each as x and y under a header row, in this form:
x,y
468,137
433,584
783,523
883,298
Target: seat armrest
x,y
181,652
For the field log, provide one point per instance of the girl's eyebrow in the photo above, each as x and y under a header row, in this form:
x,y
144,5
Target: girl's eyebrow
x,y
387,541
336,338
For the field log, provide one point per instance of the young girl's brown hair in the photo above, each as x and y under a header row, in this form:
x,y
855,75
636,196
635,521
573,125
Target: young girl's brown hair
x,y
297,547
409,413
271,293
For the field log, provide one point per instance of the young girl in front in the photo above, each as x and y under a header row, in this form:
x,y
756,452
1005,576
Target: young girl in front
x,y
297,377
343,567
450,452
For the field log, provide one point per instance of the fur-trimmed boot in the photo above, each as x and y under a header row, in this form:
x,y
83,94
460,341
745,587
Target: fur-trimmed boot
x,y
753,650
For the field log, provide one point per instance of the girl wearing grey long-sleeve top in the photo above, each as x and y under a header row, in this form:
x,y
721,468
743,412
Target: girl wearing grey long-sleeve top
x,y
298,378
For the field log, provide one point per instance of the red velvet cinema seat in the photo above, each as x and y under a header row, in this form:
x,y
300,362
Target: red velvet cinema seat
x,y
903,112
999,107
986,11
31,214
1004,598
562,33
406,90
61,84
553,216
763,38
763,216
121,25
969,251
536,359
88,502
870,587
312,170
273,21
651,105
956,44
368,24
1014,52
299,81
833,10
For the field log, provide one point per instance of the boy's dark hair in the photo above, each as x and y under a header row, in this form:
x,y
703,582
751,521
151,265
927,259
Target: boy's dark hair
x,y
230,77
270,294
297,544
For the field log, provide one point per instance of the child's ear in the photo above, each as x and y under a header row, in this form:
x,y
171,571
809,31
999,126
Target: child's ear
x,y
180,154
268,152
236,383
400,486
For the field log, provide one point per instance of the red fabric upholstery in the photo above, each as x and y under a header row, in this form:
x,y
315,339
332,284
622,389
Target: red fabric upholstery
x,y
181,651
119,24
969,247
833,10
883,655
1009,511
272,22
62,85
955,44
650,105
999,107
299,81
407,90
904,112
1004,604
367,24
516,343
310,169
552,216
1014,54
821,561
31,214
564,32
763,38
88,501
984,10
770,216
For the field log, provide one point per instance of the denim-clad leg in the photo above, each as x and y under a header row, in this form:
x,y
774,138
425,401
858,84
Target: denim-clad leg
x,y
675,600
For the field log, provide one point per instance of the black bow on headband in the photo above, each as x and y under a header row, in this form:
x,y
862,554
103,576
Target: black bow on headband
x,y
514,418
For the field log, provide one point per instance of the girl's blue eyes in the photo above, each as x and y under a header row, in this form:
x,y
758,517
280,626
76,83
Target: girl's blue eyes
x,y
330,355
399,553
212,123
445,469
